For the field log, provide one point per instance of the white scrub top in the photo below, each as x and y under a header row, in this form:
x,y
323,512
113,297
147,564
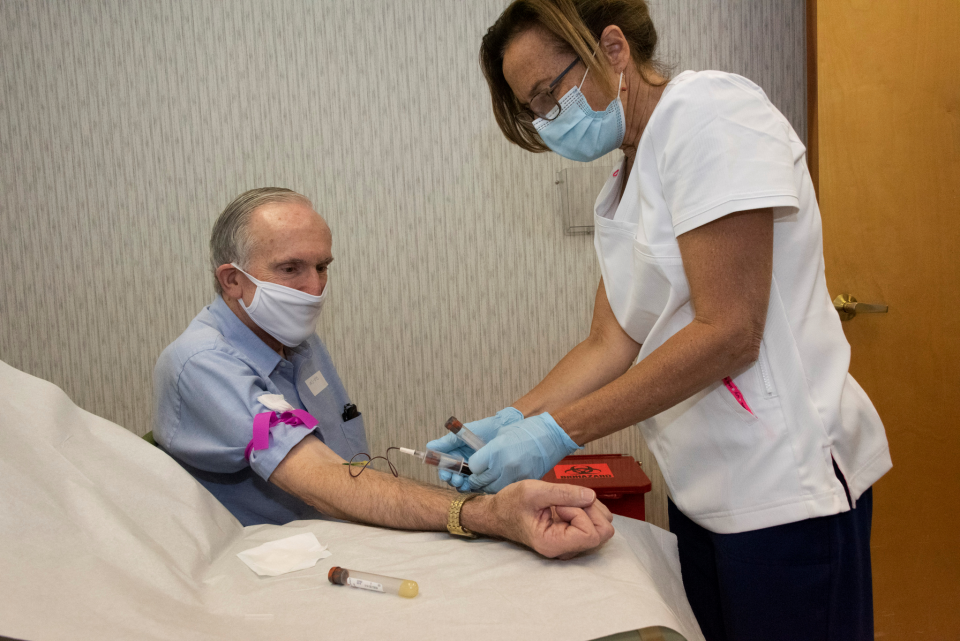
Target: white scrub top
x,y
715,145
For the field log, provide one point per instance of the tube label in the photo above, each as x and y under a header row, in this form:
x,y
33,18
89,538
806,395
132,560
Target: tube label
x,y
365,585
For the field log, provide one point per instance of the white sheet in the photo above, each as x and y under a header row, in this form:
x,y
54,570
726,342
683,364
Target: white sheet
x,y
103,536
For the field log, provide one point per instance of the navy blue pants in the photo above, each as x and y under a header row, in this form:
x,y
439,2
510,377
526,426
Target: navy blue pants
x,y
807,581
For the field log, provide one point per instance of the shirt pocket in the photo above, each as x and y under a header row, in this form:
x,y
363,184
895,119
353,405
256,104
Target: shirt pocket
x,y
355,434
346,439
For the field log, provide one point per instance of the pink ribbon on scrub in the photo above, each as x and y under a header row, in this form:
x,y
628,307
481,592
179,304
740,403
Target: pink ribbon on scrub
x,y
265,421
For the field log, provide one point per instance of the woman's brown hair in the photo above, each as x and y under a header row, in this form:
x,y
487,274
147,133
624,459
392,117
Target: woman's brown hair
x,y
576,26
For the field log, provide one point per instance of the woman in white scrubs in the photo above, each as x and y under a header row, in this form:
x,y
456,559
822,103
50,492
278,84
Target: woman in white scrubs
x,y
712,329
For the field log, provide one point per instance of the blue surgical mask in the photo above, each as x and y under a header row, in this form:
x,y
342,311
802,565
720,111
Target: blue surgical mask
x,y
579,132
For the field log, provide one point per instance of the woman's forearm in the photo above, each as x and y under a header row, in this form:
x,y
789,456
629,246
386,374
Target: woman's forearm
x,y
606,354
695,357
586,368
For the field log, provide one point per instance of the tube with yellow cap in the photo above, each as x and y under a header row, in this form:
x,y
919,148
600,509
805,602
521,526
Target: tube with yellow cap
x,y
374,582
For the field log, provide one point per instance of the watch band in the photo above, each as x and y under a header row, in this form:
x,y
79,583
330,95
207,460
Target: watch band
x,y
453,516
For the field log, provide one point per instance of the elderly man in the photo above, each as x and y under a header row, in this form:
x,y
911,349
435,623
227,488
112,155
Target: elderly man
x,y
249,402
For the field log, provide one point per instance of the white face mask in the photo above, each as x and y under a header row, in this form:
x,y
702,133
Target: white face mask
x,y
287,314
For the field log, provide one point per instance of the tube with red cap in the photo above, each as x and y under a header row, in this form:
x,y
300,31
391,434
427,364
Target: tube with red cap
x,y
464,433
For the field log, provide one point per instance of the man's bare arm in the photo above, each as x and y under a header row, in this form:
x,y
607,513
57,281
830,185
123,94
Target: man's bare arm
x,y
555,520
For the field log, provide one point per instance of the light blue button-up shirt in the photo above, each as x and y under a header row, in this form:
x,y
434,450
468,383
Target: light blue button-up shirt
x,y
206,386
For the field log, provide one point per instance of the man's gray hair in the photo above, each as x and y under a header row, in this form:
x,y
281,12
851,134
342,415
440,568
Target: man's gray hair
x,y
231,241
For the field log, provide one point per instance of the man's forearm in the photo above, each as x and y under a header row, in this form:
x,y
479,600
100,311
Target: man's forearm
x,y
555,520
317,476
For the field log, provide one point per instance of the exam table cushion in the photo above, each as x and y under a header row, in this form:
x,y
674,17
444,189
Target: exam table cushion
x,y
103,536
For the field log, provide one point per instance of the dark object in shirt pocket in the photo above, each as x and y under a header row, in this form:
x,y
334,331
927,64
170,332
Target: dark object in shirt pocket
x,y
350,412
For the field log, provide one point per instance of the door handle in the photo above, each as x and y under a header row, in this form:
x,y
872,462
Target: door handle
x,y
848,307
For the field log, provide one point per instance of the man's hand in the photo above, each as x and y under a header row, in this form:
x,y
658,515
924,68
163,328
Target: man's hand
x,y
555,520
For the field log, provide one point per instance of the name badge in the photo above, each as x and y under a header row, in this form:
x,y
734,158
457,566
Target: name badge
x,y
317,383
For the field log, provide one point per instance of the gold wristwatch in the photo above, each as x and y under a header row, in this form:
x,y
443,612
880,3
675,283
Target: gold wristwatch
x,y
453,516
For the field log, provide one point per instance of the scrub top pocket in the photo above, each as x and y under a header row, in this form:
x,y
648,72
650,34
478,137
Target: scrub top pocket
x,y
634,275
719,453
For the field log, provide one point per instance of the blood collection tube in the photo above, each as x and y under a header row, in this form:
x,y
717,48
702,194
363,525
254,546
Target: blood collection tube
x,y
373,582
464,433
439,459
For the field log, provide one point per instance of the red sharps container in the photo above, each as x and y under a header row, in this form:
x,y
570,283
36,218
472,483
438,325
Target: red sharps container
x,y
617,479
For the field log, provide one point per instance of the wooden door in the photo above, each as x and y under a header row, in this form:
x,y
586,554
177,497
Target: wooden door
x,y
884,82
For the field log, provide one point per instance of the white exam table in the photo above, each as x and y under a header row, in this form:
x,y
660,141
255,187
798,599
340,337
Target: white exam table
x,y
103,536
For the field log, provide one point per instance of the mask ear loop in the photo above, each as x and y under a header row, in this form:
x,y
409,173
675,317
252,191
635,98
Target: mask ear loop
x,y
256,283
619,82
580,86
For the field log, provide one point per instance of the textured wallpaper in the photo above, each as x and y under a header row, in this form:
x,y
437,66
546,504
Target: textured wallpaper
x,y
126,127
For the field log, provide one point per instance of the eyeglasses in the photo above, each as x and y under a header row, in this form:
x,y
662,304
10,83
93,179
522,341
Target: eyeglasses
x,y
544,104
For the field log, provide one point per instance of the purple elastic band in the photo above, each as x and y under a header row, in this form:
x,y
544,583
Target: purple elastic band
x,y
265,421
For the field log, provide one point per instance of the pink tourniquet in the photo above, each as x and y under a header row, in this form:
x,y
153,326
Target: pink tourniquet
x,y
264,421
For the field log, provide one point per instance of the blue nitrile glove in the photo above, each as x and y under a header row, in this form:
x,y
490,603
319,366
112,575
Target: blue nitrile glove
x,y
485,428
525,450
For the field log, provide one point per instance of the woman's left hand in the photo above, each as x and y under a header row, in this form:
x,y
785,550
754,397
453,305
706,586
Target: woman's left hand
x,y
524,450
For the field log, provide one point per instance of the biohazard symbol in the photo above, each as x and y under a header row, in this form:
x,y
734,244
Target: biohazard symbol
x,y
583,470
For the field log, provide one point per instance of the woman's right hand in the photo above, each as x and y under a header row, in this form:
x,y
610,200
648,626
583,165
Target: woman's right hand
x,y
486,428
